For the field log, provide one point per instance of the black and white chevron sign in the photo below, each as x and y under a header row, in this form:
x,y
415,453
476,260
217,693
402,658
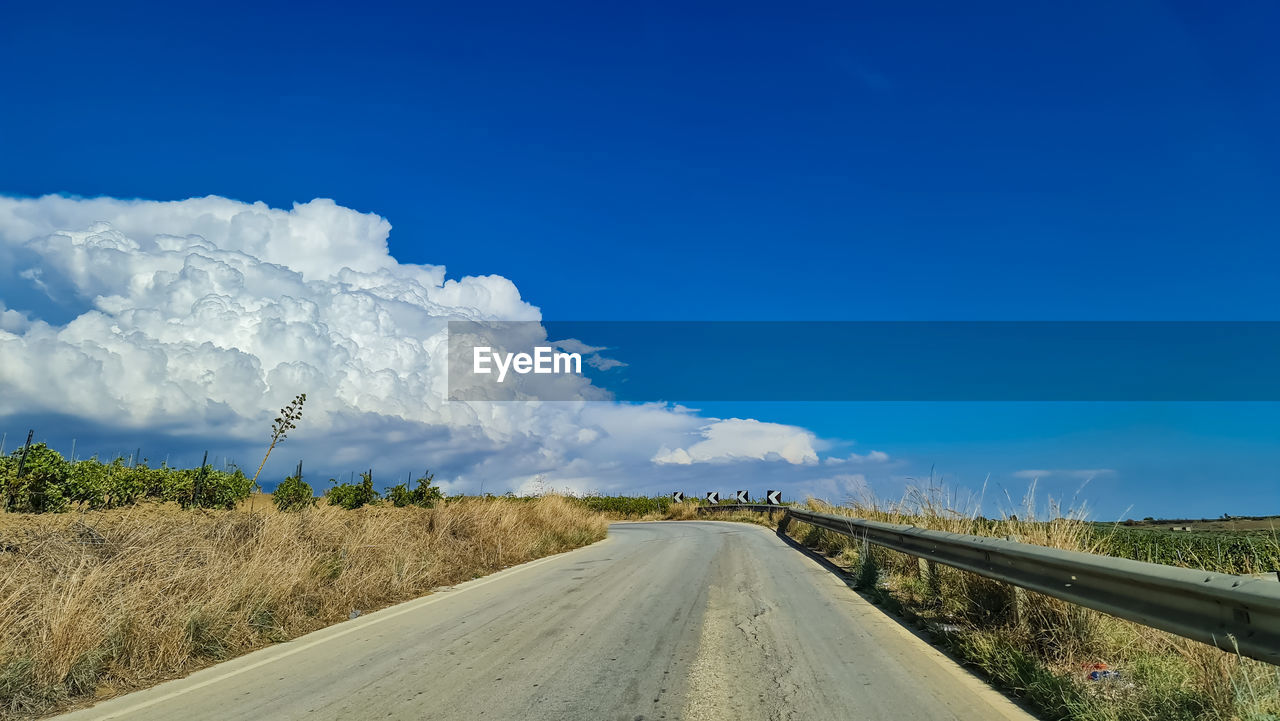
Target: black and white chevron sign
x,y
773,498
713,497
677,497
740,497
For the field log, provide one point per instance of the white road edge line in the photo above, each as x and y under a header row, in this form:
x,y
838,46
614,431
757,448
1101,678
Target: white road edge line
x,y
372,619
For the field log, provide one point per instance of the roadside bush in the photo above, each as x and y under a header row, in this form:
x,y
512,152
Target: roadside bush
x,y
40,487
425,494
400,495
87,483
627,506
203,487
125,484
352,495
218,489
293,494
51,484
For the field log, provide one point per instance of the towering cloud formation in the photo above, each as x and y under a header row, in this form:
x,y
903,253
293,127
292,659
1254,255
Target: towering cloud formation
x,y
208,307
203,316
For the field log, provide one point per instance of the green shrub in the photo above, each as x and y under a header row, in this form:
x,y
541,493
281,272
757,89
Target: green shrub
x,y
86,484
352,495
425,494
125,484
202,487
50,484
400,495
39,487
293,494
219,489
627,505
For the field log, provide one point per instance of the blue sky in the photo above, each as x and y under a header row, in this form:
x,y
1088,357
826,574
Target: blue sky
x,y
739,161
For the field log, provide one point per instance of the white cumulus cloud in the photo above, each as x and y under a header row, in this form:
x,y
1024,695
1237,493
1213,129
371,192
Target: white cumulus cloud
x,y
210,306
738,439
1073,473
854,458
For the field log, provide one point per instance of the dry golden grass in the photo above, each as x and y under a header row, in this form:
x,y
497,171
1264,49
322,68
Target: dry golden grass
x,y
104,602
768,519
678,512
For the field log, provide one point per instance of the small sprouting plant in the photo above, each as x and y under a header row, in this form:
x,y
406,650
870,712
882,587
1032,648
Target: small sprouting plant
x,y
280,427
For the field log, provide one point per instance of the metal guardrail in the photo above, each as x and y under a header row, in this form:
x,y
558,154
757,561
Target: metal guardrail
x,y
1235,613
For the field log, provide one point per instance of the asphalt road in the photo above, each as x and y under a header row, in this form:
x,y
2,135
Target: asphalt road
x,y
679,620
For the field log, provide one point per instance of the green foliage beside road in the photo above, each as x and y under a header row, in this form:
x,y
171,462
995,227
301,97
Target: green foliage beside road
x,y
45,482
353,495
293,494
424,494
37,479
628,506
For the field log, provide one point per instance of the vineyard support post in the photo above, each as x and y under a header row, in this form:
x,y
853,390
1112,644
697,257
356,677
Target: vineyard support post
x,y
195,490
23,461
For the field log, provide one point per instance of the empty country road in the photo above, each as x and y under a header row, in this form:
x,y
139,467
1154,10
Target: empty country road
x,y
687,620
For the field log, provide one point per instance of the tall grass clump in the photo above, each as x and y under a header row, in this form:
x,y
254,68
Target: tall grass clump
x,y
101,602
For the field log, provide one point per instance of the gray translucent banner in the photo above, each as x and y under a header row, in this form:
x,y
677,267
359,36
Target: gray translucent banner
x,y
867,361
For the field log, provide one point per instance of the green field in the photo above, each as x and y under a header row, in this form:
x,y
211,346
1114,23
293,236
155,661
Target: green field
x,y
1225,551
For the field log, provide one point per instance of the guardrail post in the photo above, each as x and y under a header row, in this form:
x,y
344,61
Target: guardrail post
x,y
1018,608
934,583
1017,596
